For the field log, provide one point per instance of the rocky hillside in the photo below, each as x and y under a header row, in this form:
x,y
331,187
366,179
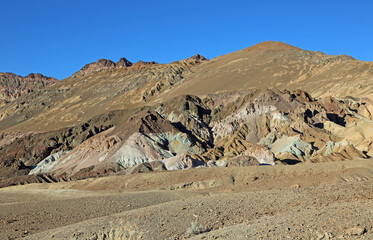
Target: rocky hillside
x,y
279,65
13,86
240,109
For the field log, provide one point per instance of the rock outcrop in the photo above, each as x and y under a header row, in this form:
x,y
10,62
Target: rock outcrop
x,y
13,86
189,132
107,64
101,65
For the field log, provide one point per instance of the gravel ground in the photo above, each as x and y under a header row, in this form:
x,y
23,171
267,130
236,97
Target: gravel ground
x,y
41,211
296,213
284,203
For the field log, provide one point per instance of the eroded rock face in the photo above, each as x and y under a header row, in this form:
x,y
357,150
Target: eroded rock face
x,y
339,151
188,132
22,152
261,153
13,86
290,145
47,163
145,137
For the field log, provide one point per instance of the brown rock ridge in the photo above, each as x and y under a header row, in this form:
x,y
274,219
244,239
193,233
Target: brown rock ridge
x,y
105,64
13,86
106,90
102,64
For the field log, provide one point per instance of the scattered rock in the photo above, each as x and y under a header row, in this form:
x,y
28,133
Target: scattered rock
x,y
182,162
148,167
325,236
239,161
357,230
195,228
8,221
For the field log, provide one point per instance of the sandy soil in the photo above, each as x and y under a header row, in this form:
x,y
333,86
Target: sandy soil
x,y
331,200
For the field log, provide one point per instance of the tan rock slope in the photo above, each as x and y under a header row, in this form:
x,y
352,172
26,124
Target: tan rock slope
x,y
279,65
123,117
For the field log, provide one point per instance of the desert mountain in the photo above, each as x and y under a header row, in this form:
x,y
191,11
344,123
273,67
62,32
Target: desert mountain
x,y
13,86
243,108
279,65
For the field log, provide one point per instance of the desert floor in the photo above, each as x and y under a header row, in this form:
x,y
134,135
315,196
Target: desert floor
x,y
332,200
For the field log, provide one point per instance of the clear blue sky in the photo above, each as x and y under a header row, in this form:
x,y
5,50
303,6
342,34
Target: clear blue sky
x,y
57,37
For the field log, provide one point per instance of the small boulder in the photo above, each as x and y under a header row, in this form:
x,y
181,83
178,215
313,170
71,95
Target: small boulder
x,y
211,164
239,161
357,231
179,162
147,167
261,153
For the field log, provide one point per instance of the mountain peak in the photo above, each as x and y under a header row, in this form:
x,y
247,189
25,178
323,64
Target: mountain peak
x,y
102,64
123,62
198,57
105,63
193,60
272,45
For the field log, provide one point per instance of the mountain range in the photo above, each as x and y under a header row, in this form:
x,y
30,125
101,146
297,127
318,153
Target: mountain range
x,y
271,103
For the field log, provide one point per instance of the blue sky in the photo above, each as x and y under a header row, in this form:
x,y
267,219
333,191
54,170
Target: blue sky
x,y
57,37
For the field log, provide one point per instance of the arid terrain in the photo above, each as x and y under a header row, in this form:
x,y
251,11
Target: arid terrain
x,y
268,142
332,200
